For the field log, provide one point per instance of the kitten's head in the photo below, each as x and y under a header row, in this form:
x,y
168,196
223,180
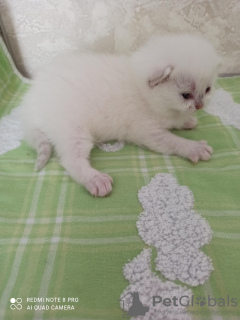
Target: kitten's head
x,y
176,72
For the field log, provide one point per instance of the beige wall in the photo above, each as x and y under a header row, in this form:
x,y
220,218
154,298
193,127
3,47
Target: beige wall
x,y
40,29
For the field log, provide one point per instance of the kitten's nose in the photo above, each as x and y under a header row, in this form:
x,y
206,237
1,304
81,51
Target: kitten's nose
x,y
198,103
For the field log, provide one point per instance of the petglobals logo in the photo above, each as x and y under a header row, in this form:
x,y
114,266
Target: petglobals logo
x,y
132,305
186,301
136,308
16,303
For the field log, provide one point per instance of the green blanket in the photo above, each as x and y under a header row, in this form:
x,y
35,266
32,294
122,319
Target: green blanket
x,y
60,248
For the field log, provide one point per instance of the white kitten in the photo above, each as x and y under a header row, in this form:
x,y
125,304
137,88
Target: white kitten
x,y
83,99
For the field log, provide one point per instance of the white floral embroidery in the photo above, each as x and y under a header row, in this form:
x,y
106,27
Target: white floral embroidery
x,y
147,284
170,224
111,147
223,106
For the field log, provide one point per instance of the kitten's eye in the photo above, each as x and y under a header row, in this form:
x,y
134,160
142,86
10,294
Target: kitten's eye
x,y
208,89
186,96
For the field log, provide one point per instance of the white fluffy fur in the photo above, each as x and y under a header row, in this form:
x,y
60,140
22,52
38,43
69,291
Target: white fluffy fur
x,y
83,99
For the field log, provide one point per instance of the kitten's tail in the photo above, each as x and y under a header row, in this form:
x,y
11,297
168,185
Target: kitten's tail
x,y
43,146
44,152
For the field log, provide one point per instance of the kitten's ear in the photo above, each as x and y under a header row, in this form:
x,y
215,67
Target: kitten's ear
x,y
159,76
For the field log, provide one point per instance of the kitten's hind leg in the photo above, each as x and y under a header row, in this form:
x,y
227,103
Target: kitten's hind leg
x,y
74,158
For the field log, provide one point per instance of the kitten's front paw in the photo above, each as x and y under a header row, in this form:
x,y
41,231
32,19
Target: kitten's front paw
x,y
199,150
190,123
100,185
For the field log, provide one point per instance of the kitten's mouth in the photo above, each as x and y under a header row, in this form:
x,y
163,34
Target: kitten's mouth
x,y
199,106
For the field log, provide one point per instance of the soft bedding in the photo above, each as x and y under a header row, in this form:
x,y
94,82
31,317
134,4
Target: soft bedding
x,y
64,253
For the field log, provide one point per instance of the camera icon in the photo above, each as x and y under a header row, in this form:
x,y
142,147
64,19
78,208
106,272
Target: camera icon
x,y
16,303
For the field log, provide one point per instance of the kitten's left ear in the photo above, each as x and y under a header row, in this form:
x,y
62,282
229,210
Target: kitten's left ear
x,y
160,76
